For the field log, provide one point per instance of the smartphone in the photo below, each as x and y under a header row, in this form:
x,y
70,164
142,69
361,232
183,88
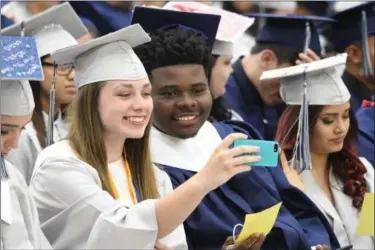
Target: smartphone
x,y
269,151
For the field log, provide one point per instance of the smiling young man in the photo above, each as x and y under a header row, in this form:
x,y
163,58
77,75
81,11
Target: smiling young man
x,y
177,61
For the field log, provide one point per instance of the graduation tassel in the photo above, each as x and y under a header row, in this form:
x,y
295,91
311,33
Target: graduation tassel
x,y
367,67
3,170
51,113
307,37
301,153
22,28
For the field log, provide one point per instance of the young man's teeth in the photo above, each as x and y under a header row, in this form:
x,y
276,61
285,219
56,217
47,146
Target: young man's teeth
x,y
136,119
186,118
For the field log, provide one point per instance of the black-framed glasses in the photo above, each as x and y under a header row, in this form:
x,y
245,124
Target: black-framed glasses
x,y
62,70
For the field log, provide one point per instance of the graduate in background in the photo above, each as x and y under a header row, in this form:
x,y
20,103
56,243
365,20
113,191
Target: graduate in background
x,y
366,133
324,164
56,28
101,179
279,44
221,69
318,8
314,8
359,22
20,228
182,140
106,16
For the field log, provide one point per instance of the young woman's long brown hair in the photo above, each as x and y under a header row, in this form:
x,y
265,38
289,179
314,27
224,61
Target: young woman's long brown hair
x,y
85,137
345,164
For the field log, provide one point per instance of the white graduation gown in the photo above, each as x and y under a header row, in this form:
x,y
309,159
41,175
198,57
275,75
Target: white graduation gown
x,y
167,150
25,155
20,228
76,213
342,216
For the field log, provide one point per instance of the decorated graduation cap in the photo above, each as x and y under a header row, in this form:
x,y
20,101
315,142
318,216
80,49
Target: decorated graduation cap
x,y
152,19
19,64
355,25
110,57
54,29
231,26
292,31
315,83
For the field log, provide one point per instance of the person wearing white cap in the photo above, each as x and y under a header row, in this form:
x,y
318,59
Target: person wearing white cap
x,y
56,28
222,52
98,189
20,228
317,133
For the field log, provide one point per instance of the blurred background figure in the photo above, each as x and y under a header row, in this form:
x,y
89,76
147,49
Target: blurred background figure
x,y
152,3
106,16
18,11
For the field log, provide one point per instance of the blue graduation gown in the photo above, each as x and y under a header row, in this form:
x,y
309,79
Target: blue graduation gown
x,y
5,22
357,89
299,224
242,97
104,16
366,133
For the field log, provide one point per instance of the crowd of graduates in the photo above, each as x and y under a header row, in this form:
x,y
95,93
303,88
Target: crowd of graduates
x,y
120,122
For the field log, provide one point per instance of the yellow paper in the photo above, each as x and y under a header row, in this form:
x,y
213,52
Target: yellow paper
x,y
261,222
366,219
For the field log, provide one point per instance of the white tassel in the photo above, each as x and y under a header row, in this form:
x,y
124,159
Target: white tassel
x,y
307,37
51,113
3,170
367,67
301,153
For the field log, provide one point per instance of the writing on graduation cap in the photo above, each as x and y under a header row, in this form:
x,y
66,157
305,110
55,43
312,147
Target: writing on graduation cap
x,y
20,58
231,26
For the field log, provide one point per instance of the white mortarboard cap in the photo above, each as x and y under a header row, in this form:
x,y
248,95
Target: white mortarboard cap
x,y
324,83
106,58
222,48
55,28
19,63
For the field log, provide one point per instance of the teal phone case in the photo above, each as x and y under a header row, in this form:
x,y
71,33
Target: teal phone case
x,y
269,151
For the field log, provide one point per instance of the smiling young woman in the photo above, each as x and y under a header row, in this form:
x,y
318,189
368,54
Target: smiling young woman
x,y
101,178
335,178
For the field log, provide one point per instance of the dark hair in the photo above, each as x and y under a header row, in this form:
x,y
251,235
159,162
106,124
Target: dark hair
x,y
345,164
37,118
219,112
174,47
283,54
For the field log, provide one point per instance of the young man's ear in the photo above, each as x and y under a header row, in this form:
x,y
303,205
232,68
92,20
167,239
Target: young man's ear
x,y
268,59
354,52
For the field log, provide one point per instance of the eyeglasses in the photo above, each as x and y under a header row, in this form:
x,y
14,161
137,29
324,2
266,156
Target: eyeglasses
x,y
62,70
